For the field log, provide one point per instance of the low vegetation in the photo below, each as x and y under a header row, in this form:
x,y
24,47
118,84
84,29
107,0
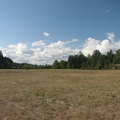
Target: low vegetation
x,y
59,94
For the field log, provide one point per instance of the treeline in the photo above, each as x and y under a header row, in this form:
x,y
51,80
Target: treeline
x,y
30,66
91,62
80,61
7,63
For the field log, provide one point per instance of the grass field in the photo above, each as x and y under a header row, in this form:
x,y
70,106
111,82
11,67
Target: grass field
x,y
59,95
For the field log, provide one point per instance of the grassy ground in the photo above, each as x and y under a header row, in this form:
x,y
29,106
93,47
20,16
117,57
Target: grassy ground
x,y
59,95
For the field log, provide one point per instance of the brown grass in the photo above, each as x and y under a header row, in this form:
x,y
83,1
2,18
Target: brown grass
x,y
59,95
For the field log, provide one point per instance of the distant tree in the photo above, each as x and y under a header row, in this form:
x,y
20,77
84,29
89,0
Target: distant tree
x,y
71,62
63,64
95,59
117,57
1,54
110,59
5,63
56,65
77,61
88,62
81,61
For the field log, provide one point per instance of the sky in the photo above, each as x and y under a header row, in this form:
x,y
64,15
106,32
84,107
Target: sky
x,y
41,31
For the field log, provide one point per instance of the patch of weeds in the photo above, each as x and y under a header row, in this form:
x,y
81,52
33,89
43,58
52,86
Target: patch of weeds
x,y
40,95
27,95
114,96
34,106
53,100
65,100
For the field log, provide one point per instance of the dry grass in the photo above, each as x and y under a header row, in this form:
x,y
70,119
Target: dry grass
x,y
59,95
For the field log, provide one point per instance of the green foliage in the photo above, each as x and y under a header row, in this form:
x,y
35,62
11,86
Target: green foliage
x,y
1,54
117,57
5,63
71,62
63,64
55,65
95,61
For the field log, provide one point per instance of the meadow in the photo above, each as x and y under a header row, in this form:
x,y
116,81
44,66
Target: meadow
x,y
59,94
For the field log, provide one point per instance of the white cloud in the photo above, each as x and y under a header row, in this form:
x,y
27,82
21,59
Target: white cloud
x,y
103,46
19,49
46,34
18,53
89,46
36,55
41,53
70,41
110,36
38,43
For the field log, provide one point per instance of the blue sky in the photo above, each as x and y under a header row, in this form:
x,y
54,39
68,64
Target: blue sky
x,y
40,31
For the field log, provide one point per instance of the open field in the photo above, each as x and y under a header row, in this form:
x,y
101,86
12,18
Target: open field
x,y
59,95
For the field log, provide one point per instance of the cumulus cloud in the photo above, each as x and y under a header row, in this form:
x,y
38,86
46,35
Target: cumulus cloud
x,y
38,43
103,46
110,36
18,53
46,34
89,46
70,41
39,52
